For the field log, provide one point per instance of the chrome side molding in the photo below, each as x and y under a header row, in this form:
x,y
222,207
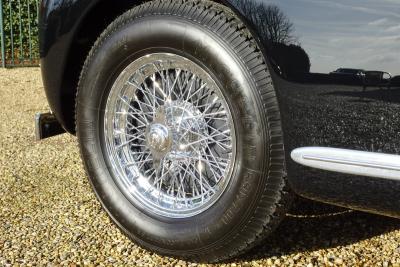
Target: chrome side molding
x,y
355,162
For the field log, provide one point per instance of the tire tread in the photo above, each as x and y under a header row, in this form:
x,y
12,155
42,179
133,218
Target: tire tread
x,y
275,198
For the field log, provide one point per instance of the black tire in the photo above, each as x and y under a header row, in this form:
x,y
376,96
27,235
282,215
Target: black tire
x,y
256,198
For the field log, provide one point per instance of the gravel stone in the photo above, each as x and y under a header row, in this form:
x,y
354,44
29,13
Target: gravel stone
x,y
50,217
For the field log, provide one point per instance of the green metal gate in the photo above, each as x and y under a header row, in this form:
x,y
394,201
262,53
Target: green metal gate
x,y
19,32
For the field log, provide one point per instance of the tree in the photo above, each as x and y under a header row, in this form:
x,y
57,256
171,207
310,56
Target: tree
x,y
291,59
277,28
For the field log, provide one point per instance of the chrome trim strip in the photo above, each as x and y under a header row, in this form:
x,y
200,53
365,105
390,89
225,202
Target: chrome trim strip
x,y
355,162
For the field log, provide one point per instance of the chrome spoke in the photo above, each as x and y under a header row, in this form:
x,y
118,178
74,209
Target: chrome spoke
x,y
170,135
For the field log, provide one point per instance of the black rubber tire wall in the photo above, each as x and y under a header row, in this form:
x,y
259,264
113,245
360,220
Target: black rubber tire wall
x,y
211,35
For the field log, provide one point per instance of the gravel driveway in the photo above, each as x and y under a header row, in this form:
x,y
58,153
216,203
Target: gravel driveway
x,y
49,216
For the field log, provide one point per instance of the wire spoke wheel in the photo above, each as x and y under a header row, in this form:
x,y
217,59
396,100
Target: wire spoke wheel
x,y
180,131
169,136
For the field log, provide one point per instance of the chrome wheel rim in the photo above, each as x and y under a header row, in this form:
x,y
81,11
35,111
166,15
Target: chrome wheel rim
x,y
169,136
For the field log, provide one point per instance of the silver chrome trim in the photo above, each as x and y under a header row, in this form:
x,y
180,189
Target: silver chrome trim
x,y
355,162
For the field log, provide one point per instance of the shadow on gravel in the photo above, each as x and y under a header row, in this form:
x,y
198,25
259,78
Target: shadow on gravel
x,y
312,226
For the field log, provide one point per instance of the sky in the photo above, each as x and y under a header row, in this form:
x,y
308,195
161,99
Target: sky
x,y
347,33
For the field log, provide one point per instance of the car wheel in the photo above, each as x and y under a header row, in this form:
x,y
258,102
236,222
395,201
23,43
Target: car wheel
x,y
180,131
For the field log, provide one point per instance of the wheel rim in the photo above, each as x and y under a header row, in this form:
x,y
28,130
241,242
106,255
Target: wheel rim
x,y
169,136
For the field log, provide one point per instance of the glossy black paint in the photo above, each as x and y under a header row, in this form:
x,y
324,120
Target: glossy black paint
x,y
317,108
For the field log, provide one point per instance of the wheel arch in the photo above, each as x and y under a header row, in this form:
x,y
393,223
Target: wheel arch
x,y
89,24
63,55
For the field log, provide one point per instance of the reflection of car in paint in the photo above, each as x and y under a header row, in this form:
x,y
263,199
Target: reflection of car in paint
x,y
198,121
377,78
348,75
349,72
395,81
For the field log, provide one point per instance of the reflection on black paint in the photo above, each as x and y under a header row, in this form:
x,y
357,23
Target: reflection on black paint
x,y
289,61
391,95
274,25
343,109
345,117
277,32
287,57
322,109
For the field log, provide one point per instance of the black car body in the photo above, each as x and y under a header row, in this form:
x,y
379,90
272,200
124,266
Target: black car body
x,y
318,109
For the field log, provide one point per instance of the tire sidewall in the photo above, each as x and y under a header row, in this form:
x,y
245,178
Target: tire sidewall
x,y
171,34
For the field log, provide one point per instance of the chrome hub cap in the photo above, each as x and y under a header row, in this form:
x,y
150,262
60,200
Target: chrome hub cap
x,y
169,136
158,138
